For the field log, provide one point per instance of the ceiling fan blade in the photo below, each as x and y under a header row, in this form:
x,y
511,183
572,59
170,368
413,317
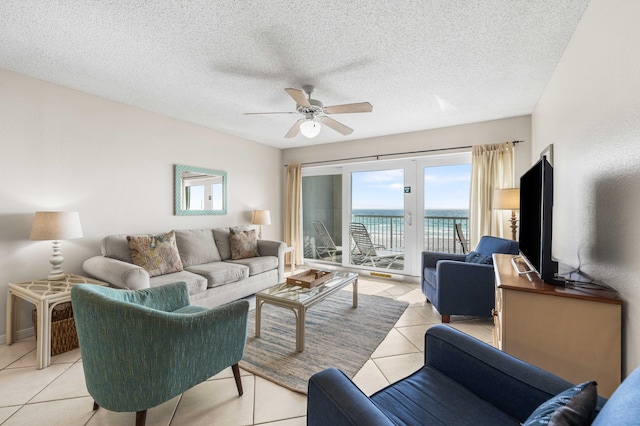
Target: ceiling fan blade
x,y
293,131
338,127
349,108
255,113
298,96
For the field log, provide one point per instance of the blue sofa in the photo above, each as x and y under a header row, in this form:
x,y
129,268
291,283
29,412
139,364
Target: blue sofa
x,y
463,382
458,287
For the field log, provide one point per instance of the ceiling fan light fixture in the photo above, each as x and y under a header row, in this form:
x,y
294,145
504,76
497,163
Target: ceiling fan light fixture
x,y
310,128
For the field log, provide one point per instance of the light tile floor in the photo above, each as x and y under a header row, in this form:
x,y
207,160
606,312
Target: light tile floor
x,y
57,395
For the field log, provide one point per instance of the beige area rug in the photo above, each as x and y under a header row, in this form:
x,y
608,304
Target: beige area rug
x,y
337,335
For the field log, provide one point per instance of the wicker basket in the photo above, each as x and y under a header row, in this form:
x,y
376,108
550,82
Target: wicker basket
x,y
64,336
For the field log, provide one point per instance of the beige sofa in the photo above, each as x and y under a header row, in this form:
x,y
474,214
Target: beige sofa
x,y
212,277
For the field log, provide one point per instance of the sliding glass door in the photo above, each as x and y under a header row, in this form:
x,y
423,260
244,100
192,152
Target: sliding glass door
x,y
380,216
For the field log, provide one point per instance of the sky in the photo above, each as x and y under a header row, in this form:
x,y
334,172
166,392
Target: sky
x,y
445,187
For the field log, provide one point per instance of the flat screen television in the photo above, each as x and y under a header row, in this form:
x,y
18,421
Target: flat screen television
x,y
536,217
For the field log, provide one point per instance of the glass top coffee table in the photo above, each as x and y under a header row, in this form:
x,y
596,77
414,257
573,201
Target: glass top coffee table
x,y
299,299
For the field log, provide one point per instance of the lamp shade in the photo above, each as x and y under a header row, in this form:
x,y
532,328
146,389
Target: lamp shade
x,y
56,226
310,128
261,217
506,199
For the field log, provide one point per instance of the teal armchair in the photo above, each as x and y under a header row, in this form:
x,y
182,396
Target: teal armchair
x,y
142,348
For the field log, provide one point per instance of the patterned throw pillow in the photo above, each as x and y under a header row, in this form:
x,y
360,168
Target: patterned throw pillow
x,y
158,254
243,244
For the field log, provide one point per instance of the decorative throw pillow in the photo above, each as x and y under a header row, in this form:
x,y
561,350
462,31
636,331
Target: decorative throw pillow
x,y
573,407
474,257
158,254
243,244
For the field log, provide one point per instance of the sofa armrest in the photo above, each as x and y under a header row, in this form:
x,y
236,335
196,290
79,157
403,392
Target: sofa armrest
x,y
117,273
431,258
274,248
512,385
335,400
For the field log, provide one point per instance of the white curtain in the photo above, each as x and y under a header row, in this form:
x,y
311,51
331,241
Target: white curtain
x,y
293,210
491,169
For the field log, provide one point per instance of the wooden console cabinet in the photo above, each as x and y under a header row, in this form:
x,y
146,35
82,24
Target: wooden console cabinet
x,y
572,332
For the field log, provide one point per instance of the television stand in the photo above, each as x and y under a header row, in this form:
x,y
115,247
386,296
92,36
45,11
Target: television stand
x,y
574,333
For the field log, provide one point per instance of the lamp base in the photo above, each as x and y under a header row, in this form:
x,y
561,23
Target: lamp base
x,y
56,263
514,226
56,277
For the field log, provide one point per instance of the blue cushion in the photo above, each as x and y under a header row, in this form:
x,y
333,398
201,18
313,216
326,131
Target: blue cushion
x,y
474,257
430,397
573,407
489,245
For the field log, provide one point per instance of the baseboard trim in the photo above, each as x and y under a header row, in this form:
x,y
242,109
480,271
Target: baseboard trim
x,y
20,335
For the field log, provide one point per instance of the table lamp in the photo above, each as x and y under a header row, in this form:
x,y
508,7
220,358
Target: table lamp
x,y
261,217
508,199
56,226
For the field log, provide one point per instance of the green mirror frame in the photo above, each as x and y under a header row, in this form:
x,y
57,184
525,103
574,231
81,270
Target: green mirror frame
x,y
182,174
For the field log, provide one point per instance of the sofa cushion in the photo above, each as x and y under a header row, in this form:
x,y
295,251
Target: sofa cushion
x,y
430,397
573,407
221,235
195,283
157,254
116,247
475,257
257,265
220,273
197,246
243,243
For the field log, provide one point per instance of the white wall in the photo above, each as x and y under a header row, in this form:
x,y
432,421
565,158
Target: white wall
x,y
62,149
590,111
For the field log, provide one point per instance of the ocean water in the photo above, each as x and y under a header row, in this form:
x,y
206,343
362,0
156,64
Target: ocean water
x,y
386,227
429,213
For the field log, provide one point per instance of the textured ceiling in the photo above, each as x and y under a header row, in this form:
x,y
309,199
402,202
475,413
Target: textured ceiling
x,y
422,64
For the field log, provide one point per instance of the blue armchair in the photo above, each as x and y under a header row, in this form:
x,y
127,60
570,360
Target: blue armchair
x,y
458,287
142,348
464,382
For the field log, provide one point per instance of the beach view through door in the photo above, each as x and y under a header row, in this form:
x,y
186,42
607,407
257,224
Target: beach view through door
x,y
379,221
365,217
446,208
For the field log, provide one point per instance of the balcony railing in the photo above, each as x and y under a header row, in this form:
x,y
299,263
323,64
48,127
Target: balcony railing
x,y
439,231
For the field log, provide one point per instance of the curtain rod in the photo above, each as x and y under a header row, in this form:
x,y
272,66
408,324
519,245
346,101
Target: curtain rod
x,y
377,157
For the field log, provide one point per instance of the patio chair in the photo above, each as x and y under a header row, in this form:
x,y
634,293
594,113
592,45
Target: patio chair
x,y
328,249
374,254
464,242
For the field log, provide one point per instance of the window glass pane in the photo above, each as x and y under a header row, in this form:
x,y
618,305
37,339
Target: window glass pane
x,y
377,219
322,217
446,205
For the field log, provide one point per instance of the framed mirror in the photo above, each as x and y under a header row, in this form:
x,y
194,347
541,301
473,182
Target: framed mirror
x,y
200,191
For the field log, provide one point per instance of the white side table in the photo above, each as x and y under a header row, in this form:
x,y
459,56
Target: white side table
x,y
45,295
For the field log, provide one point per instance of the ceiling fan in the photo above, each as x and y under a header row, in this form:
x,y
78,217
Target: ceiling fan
x,y
314,110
